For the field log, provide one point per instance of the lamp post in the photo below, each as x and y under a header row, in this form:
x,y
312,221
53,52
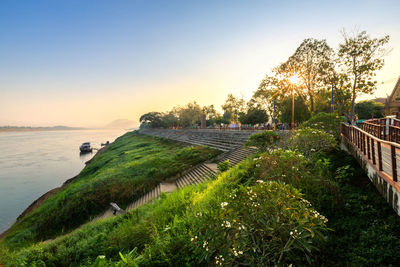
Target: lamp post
x,y
273,119
332,100
292,109
294,81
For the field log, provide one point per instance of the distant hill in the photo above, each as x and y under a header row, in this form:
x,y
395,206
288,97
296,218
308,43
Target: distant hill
x,y
28,128
122,124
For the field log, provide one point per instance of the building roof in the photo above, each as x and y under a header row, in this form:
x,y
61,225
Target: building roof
x,y
396,87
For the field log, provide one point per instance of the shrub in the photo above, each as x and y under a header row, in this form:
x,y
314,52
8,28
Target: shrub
x,y
329,122
265,224
312,142
264,140
295,169
223,166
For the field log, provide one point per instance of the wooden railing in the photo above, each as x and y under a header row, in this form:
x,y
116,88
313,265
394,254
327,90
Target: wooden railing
x,y
381,154
383,128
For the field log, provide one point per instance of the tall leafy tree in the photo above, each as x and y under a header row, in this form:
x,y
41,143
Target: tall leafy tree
x,y
211,114
233,107
360,58
312,61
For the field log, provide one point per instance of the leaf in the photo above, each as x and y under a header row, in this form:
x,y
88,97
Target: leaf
x,y
122,257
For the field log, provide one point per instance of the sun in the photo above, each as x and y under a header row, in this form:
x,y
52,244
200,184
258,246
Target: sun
x,y
294,79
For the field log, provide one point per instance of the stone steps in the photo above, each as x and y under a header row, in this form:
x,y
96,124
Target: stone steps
x,y
223,140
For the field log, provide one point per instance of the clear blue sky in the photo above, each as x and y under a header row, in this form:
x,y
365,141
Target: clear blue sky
x,y
86,63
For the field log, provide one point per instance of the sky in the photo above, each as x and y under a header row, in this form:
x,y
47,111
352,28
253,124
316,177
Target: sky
x,y
87,63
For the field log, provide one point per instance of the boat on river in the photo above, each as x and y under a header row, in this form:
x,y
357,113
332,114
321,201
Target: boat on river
x,y
85,147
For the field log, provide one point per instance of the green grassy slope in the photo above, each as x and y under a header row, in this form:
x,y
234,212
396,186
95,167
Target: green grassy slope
x,y
174,230
131,166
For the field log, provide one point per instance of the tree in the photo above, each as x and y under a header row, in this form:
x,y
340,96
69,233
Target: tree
x,y
152,120
253,116
190,115
312,61
369,109
232,108
301,110
212,114
267,93
360,58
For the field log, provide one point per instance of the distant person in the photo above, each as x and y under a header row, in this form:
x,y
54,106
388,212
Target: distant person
x,y
115,208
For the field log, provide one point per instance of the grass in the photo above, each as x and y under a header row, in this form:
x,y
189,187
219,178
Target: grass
x,y
132,166
366,230
162,232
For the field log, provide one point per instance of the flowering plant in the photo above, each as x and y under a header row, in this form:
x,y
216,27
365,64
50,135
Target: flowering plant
x,y
268,223
310,141
264,140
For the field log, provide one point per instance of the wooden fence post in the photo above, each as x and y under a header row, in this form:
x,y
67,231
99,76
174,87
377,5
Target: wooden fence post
x,y
379,155
373,151
394,166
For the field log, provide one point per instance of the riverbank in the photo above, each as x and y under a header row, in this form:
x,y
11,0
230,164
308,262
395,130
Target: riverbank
x,y
123,172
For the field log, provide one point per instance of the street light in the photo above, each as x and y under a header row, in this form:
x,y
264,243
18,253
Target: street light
x,y
294,81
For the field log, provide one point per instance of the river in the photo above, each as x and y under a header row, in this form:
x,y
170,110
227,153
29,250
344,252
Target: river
x,y
32,163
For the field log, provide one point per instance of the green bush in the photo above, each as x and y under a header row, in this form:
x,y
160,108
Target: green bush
x,y
264,141
265,224
294,168
312,142
223,166
329,122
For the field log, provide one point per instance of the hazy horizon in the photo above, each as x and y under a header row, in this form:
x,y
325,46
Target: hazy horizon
x,y
85,64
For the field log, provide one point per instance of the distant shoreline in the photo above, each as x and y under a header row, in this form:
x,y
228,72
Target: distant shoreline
x,y
31,129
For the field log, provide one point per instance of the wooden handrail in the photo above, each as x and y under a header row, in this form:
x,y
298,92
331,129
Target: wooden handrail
x,y
364,142
372,136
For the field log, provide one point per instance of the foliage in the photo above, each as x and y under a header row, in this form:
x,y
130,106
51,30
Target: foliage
x,y
311,141
133,165
312,61
268,223
162,231
310,175
264,141
366,229
253,116
233,107
301,112
212,115
369,109
329,122
152,120
360,57
223,166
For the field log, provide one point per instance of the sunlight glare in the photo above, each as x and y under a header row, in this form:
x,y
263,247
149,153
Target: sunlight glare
x,y
295,80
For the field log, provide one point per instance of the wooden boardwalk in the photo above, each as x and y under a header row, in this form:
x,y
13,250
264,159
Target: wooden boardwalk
x,y
382,155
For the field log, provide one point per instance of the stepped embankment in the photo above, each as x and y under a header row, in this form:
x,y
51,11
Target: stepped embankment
x,y
221,139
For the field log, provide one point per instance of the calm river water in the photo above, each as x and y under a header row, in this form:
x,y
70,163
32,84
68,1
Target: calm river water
x,y
32,163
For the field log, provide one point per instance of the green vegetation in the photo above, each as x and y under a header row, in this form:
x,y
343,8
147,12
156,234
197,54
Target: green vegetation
x,y
328,122
369,109
186,227
264,141
133,165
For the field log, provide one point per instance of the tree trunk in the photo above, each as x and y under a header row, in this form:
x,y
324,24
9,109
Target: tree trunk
x,y
311,103
353,99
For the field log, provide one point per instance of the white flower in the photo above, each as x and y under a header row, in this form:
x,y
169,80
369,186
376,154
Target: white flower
x,y
224,204
260,181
